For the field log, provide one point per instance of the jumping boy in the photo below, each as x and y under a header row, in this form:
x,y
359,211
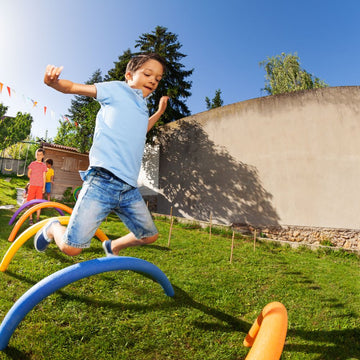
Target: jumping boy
x,y
49,178
110,183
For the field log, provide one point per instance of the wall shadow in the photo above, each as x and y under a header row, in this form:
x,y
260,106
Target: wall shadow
x,y
197,178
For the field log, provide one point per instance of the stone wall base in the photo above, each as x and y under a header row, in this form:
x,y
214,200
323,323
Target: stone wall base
x,y
348,239
295,236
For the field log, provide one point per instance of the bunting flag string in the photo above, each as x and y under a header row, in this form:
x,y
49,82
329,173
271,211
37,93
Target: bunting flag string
x,y
12,93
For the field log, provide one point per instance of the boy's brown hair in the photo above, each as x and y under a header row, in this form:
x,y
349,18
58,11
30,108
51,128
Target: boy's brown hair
x,y
137,61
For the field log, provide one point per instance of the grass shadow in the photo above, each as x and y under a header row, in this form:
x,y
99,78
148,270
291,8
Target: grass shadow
x,y
180,300
16,354
332,344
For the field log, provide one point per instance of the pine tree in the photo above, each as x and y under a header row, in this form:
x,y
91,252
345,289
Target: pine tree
x,y
174,83
215,102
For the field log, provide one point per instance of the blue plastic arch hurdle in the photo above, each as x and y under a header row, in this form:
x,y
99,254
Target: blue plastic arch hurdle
x,y
69,275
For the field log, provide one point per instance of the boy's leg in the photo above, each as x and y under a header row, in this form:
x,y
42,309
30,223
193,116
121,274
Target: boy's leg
x,y
39,196
48,190
87,215
36,193
56,232
137,218
31,196
130,240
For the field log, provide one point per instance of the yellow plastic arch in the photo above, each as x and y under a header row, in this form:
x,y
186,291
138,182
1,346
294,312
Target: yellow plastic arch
x,y
32,230
34,208
268,333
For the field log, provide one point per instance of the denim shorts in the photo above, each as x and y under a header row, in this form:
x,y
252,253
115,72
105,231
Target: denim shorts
x,y
102,193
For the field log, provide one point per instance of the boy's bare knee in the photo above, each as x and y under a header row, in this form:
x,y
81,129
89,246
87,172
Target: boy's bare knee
x,y
150,239
69,250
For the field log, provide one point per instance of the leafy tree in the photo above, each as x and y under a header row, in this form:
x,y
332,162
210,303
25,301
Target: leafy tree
x,y
23,150
66,134
78,128
284,74
3,110
13,130
215,102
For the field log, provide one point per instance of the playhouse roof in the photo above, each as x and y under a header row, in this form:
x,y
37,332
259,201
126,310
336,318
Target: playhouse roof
x,y
61,148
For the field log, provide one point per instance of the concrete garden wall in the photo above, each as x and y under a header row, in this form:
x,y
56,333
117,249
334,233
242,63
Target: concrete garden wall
x,y
291,159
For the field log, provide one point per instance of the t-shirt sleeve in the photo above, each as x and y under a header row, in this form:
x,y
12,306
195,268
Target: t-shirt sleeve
x,y
104,92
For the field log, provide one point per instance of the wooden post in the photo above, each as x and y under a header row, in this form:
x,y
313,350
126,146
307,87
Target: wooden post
x,y
232,246
210,223
254,239
171,225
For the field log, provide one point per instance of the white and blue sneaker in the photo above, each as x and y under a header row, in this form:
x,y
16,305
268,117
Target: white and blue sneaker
x,y
107,248
41,240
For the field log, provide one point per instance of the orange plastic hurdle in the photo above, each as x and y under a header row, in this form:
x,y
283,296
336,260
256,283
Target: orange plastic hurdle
x,y
32,230
23,217
267,335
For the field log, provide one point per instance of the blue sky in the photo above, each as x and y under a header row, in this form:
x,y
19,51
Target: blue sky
x,y
224,42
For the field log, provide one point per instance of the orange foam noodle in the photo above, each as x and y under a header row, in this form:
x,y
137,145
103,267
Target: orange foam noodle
x,y
267,334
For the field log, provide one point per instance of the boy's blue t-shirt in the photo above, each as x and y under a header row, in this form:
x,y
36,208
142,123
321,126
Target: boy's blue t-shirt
x,y
120,130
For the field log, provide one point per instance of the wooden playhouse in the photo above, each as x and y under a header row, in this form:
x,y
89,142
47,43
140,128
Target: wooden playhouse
x,y
67,163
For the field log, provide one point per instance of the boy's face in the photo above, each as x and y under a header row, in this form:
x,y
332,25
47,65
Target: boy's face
x,y
39,155
146,78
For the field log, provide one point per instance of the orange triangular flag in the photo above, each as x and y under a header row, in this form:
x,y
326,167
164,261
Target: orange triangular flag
x,y
1,86
44,110
9,91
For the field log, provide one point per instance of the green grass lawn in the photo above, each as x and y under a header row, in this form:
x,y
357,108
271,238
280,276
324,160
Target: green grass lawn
x,y
125,315
8,187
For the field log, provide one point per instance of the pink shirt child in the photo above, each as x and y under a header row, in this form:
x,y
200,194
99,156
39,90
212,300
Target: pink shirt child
x,y
37,173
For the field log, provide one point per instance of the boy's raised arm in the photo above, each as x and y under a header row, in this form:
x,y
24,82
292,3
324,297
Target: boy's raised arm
x,y
51,78
161,109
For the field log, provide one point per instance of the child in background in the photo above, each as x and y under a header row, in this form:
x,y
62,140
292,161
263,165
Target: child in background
x,y
49,177
25,194
36,174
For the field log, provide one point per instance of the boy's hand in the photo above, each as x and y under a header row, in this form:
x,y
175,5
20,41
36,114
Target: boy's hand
x,y
163,103
52,74
51,78
162,107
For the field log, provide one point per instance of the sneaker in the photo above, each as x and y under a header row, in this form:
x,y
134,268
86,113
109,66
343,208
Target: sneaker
x,y
107,248
31,222
41,240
